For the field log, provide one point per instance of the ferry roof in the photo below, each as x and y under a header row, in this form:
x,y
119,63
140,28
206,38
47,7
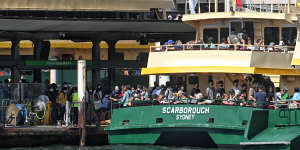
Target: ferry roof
x,y
82,29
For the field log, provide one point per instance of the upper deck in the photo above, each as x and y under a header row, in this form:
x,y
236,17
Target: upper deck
x,y
219,58
286,10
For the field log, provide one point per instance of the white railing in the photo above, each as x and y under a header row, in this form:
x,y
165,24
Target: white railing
x,y
274,6
224,47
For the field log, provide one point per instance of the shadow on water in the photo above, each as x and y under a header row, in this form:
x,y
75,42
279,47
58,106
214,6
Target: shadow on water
x,y
112,147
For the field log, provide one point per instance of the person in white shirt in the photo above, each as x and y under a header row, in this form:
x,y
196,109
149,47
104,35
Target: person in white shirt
x,y
192,6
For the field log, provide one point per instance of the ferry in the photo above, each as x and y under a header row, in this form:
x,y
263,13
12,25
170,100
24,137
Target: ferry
x,y
271,23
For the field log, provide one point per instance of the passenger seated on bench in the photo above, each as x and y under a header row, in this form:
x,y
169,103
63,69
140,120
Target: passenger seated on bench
x,y
210,43
224,44
250,45
171,45
271,46
189,45
242,99
258,45
178,45
180,95
199,44
226,100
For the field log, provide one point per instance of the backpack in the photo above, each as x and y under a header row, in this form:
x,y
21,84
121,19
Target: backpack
x,y
105,102
234,39
242,36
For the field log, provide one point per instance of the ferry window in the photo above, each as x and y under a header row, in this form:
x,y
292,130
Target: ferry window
x,y
159,120
125,122
224,33
210,34
271,35
193,79
289,36
248,25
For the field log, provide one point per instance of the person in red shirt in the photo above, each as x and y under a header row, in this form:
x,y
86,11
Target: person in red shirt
x,y
239,3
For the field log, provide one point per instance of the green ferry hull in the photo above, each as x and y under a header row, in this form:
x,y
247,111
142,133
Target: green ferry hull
x,y
206,126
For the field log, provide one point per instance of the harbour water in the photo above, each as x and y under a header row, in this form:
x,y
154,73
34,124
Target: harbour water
x,y
111,147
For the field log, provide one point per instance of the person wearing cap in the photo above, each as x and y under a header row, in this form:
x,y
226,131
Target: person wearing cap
x,y
171,45
115,94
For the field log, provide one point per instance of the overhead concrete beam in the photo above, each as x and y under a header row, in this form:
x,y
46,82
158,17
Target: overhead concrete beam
x,y
87,5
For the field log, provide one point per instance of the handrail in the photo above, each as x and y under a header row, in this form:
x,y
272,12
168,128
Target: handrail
x,y
232,47
232,102
274,6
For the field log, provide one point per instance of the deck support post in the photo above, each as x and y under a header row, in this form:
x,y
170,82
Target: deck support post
x,y
111,58
96,58
81,74
15,55
37,48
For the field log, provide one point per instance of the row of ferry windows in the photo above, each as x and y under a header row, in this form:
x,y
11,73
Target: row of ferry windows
x,y
271,34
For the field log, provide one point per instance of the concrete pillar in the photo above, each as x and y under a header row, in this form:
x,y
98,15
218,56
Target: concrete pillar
x,y
37,74
111,57
152,80
52,76
15,55
96,58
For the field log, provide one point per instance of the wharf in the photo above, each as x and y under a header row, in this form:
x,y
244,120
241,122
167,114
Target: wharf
x,y
49,135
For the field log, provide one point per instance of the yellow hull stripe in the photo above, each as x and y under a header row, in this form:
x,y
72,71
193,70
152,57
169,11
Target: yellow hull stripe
x,y
218,69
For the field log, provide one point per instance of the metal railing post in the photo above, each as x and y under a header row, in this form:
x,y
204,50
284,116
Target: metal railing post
x,y
289,6
272,6
260,5
208,5
216,5
186,2
199,6
278,3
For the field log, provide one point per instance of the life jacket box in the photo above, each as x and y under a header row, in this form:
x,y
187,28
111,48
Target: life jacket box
x,y
16,114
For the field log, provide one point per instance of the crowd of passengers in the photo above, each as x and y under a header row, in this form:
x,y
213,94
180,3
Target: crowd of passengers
x,y
101,100
235,41
256,94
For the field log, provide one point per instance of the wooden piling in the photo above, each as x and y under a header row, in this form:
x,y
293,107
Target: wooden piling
x,y
81,72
